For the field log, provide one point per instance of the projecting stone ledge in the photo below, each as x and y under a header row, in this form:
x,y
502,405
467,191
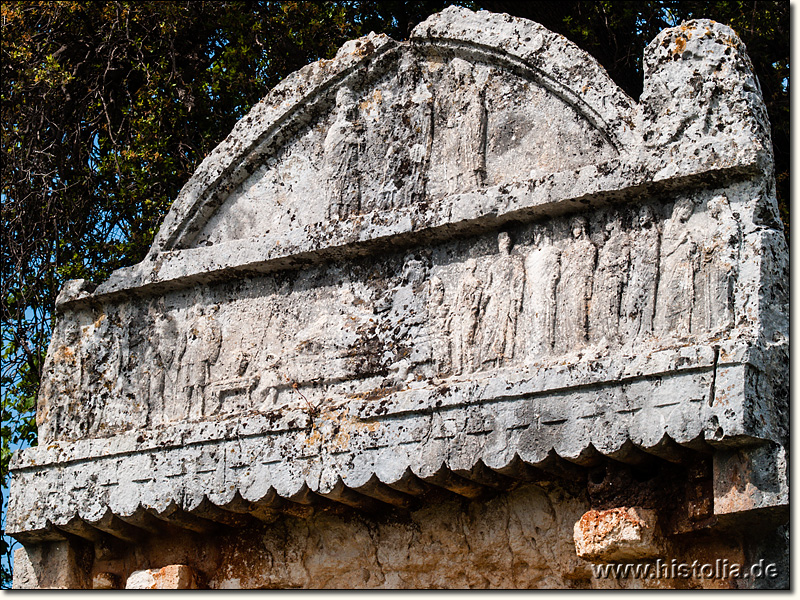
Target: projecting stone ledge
x,y
471,213
470,437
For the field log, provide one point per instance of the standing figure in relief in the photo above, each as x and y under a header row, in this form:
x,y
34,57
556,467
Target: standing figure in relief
x,y
409,121
58,401
438,313
203,342
542,272
574,294
473,142
609,282
160,355
103,406
465,320
679,263
503,306
460,120
639,300
718,260
341,150
131,408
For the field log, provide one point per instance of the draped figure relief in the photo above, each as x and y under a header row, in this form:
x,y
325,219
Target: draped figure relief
x,y
100,377
574,292
679,263
341,150
718,257
503,307
161,355
203,342
465,319
438,313
542,273
458,162
610,280
334,344
639,299
399,140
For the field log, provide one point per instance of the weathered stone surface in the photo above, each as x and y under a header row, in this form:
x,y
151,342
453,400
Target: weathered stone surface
x,y
172,577
701,101
54,565
456,262
618,534
520,539
105,581
25,577
749,482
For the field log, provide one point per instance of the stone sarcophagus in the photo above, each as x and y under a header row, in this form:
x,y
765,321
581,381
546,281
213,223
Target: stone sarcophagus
x,y
457,262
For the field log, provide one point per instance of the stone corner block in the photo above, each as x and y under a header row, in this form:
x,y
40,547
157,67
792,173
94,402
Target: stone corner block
x,y
50,566
750,485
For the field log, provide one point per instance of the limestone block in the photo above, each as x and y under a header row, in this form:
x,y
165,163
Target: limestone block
x,y
688,70
53,565
24,574
618,534
171,577
749,482
105,581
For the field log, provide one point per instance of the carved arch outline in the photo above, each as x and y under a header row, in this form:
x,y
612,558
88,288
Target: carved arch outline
x,y
534,52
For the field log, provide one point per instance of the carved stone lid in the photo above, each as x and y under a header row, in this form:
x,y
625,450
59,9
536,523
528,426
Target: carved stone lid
x,y
459,261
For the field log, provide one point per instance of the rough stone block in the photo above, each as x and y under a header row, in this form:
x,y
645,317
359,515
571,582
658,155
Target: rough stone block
x,y
171,577
105,581
751,486
618,534
51,565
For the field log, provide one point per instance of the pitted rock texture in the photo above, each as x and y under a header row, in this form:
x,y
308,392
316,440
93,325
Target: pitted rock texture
x,y
172,577
440,264
618,534
529,297
518,540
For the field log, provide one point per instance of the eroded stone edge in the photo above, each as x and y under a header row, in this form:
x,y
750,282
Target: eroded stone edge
x,y
589,93
464,214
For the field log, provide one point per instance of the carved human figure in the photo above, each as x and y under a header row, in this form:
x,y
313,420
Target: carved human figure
x,y
128,405
610,279
414,272
203,342
271,373
465,319
639,299
504,292
58,402
460,144
542,273
718,259
164,341
679,263
341,150
408,300
100,378
438,313
574,291
406,142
